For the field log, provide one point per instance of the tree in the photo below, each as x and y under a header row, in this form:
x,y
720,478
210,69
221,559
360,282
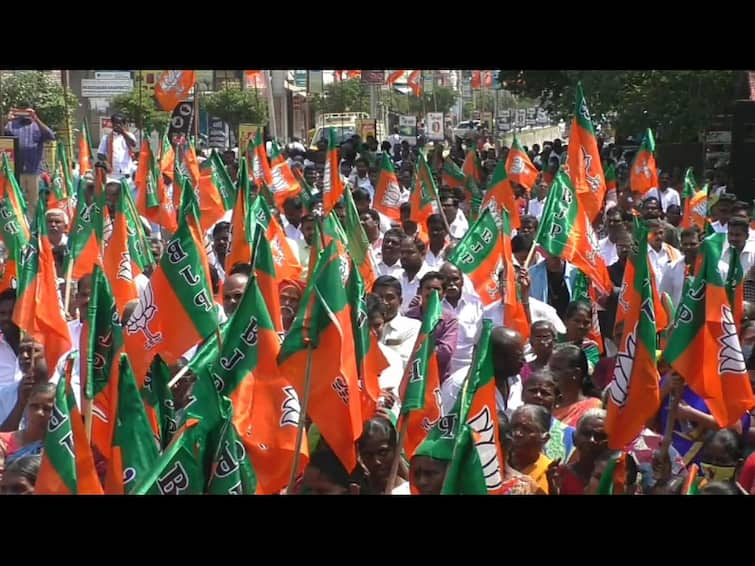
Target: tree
x,y
677,105
42,92
442,99
235,106
141,109
342,96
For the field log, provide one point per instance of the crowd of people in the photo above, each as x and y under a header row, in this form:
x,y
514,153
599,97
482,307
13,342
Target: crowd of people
x,y
550,388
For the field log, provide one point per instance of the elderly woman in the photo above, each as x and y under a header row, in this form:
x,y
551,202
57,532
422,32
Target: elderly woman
x,y
514,483
529,433
377,448
21,476
591,441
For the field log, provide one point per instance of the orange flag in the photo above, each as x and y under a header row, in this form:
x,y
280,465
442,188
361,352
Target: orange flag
x,y
387,192
415,82
117,261
644,175
240,248
500,196
634,395
584,166
267,418
519,168
38,310
172,87
324,320
332,184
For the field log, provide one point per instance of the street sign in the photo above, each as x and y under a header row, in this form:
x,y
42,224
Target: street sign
x,y
521,117
112,75
531,119
373,77
93,88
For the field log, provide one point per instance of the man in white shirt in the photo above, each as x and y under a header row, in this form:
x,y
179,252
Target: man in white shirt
x,y
457,222
614,227
221,236
293,209
468,310
675,275
390,378
404,185
389,264
536,205
10,335
370,220
660,254
412,260
666,196
722,211
399,332
57,226
14,396
438,242
116,148
738,232
538,310
360,177
508,358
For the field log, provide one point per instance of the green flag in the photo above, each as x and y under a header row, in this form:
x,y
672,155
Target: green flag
x,y
132,435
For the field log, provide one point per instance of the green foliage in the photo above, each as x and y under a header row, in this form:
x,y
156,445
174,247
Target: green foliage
x,y
142,110
677,105
235,106
354,96
43,93
443,100
342,96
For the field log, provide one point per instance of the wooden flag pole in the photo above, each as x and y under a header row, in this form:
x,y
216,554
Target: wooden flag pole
x,y
397,455
176,378
530,255
302,419
69,277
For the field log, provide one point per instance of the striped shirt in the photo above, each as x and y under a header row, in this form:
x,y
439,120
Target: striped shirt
x,y
31,137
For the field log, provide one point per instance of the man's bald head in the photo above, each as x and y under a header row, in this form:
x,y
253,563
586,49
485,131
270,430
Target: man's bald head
x,y
508,352
233,291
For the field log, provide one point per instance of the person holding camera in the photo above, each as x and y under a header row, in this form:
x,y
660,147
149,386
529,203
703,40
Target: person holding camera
x,y
32,133
117,148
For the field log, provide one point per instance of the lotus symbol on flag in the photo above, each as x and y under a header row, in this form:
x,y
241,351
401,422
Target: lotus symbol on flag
x,y
592,180
144,312
392,196
326,185
276,251
344,268
583,111
623,369
643,169
730,357
170,81
290,409
124,267
482,424
427,424
518,166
